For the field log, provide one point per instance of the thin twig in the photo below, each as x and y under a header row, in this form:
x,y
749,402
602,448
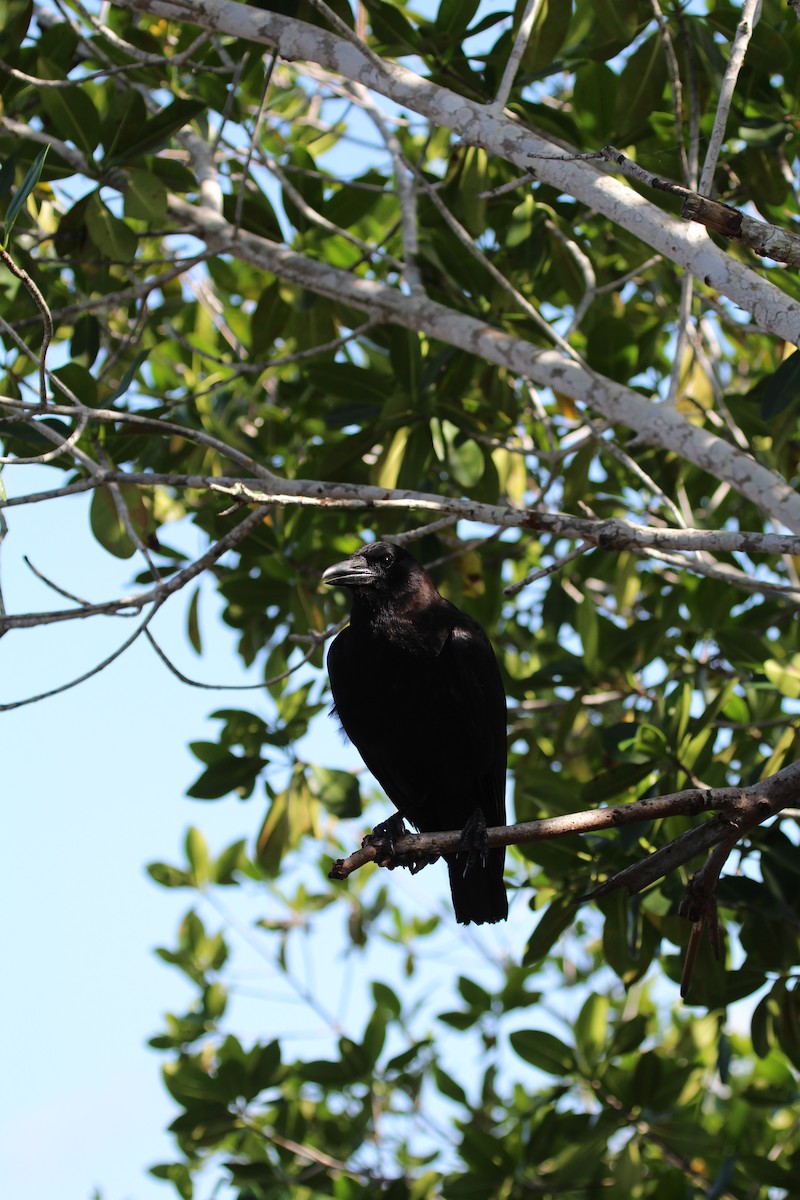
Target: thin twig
x,y
226,687
674,73
156,595
543,572
517,51
47,320
101,666
262,104
751,11
404,174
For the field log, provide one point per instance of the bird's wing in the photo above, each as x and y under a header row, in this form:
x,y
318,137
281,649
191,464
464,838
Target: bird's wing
x,y
429,722
479,706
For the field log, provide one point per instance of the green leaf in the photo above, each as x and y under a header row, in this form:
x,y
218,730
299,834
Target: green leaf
x,y
80,382
273,839
337,791
85,341
112,237
233,860
785,677
558,917
543,1050
72,113
215,1001
193,622
589,633
459,1020
475,995
641,86
782,388
393,32
124,119
21,195
156,131
145,196
595,98
178,1175
169,877
448,1086
591,1028
197,855
386,999
107,524
235,773
454,16
269,319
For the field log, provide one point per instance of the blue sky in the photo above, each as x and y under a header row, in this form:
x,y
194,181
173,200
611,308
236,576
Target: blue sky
x,y
93,784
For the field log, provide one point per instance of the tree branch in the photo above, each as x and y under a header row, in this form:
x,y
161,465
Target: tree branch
x,y
613,533
768,241
503,137
740,807
739,810
155,595
655,424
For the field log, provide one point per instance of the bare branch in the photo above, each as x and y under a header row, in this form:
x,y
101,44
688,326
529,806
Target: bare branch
x,y
125,605
153,425
751,11
742,808
404,175
101,666
227,687
739,811
517,50
613,534
543,572
654,424
677,87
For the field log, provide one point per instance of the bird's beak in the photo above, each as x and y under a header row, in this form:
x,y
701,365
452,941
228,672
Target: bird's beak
x,y
353,572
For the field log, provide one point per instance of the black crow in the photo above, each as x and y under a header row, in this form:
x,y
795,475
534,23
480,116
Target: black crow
x,y
418,691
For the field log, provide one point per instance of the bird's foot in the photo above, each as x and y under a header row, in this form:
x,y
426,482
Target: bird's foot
x,y
383,838
474,840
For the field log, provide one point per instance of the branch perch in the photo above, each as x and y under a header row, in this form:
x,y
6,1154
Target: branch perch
x,y
738,810
768,241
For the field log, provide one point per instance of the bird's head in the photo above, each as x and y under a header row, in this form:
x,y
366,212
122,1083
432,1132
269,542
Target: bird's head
x,y
378,574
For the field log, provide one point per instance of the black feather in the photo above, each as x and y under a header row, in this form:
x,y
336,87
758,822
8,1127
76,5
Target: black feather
x,y
418,691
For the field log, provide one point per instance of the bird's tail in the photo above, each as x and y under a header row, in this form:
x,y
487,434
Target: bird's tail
x,y
479,895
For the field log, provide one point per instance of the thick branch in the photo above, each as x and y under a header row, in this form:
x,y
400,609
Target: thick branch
x,y
504,137
612,533
655,424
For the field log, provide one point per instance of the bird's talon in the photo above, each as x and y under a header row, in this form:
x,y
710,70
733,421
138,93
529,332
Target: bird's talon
x,y
383,838
474,840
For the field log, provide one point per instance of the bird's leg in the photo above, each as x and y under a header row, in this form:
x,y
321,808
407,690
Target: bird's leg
x,y
383,838
474,840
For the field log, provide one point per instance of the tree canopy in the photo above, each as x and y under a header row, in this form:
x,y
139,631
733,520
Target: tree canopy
x,y
517,287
